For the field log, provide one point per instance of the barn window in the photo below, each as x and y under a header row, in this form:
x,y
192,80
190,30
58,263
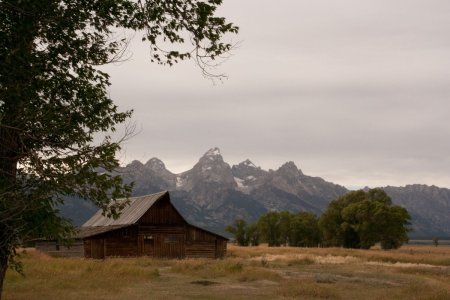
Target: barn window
x,y
171,239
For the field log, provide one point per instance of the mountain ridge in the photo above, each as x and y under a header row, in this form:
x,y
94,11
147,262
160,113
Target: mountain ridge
x,y
213,193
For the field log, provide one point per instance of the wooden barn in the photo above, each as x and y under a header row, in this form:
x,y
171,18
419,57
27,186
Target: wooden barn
x,y
150,226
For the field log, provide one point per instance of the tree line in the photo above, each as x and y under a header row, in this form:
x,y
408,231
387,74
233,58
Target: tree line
x,y
358,219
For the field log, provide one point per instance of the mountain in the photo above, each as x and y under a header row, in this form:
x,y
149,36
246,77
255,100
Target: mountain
x,y
429,207
213,194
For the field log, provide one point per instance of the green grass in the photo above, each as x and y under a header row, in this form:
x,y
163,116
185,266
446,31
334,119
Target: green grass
x,y
246,273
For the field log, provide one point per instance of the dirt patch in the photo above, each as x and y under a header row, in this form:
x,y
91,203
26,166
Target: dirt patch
x,y
403,265
328,259
204,282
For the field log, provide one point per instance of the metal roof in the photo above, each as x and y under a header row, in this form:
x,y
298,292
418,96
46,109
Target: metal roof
x,y
85,232
137,207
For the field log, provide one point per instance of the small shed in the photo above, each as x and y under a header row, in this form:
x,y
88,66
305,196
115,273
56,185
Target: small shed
x,y
149,226
54,248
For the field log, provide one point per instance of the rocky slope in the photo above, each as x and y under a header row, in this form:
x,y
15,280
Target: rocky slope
x,y
213,193
429,207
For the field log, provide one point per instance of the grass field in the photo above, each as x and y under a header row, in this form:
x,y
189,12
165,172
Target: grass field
x,y
412,272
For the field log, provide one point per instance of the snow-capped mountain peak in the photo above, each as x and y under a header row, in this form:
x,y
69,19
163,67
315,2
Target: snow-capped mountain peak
x,y
213,152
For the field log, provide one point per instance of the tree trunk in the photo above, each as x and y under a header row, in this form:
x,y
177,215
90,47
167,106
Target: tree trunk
x,y
3,268
9,151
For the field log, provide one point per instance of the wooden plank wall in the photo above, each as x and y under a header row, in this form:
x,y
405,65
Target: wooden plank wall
x,y
54,249
167,241
121,242
200,243
87,248
221,248
200,249
162,213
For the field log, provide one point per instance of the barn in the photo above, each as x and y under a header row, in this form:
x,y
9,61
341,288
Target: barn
x,y
149,226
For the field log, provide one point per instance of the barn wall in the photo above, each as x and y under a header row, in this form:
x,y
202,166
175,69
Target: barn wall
x,y
162,241
162,213
200,243
121,242
200,249
221,248
55,249
87,248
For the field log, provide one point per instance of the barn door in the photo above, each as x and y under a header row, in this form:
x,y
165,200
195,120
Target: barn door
x,y
169,245
149,245
175,243
98,248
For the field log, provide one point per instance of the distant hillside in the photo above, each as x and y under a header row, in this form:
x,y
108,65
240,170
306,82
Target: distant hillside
x,y
429,207
213,193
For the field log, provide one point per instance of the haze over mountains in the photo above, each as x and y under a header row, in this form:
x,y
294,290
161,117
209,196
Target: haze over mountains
x,y
213,194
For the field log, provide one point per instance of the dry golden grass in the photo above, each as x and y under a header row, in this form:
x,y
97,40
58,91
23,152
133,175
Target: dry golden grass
x,y
412,272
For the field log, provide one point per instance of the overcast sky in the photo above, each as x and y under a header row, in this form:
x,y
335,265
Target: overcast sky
x,y
354,91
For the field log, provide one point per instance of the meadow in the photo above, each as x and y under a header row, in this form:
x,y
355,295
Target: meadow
x,y
411,272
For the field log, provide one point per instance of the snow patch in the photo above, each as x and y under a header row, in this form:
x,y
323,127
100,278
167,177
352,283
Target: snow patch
x,y
239,182
180,182
213,152
250,177
206,168
248,163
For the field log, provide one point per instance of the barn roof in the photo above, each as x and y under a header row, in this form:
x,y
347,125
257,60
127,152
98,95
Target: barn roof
x,y
85,232
137,207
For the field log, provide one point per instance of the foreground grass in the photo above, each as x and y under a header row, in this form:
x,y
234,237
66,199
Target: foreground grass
x,y
412,272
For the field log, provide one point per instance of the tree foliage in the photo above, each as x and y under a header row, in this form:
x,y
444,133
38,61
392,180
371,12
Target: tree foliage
x,y
360,219
239,230
56,115
278,228
305,230
270,227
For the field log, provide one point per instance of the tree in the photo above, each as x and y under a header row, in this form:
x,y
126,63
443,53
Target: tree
x,y
285,227
253,234
435,240
333,233
55,113
305,230
270,228
360,219
239,230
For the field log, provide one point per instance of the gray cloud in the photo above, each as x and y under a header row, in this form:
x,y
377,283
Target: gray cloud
x,y
357,92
